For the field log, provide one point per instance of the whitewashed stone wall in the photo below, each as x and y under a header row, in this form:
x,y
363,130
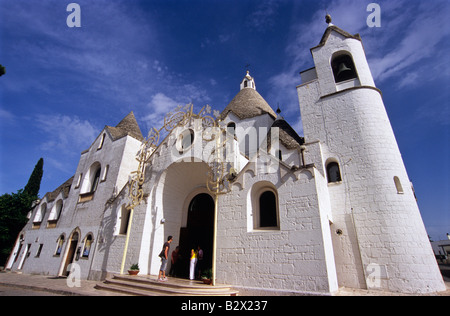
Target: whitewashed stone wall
x,y
289,260
83,217
380,227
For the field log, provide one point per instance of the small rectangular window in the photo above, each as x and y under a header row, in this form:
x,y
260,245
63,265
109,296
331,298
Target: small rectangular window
x,y
80,176
105,173
38,254
101,142
280,155
398,185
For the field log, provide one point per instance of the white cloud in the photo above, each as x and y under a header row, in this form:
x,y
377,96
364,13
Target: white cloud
x,y
65,134
61,165
404,48
159,105
119,65
424,37
263,16
192,91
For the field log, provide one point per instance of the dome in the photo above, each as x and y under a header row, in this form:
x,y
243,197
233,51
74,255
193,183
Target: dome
x,y
248,103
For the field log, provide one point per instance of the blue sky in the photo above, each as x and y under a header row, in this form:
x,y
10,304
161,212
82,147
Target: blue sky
x,y
63,85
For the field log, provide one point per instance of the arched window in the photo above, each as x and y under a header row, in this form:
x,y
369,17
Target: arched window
x,y
91,179
231,129
398,185
343,67
268,209
90,183
87,246
333,172
264,206
95,181
55,214
59,245
39,217
56,211
185,141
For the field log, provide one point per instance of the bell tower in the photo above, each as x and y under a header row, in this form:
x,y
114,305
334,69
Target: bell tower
x,y
378,233
248,82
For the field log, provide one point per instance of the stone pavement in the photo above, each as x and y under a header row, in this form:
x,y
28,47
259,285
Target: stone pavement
x,y
358,292
60,286
52,284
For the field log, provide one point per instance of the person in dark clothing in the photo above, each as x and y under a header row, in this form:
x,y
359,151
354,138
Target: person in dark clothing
x,y
175,261
164,255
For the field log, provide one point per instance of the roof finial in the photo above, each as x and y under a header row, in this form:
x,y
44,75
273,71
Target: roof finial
x,y
328,18
279,117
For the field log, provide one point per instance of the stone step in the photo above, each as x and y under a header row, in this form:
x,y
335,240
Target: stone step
x,y
147,285
125,290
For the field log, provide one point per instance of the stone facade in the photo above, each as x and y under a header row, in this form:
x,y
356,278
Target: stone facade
x,y
373,206
301,216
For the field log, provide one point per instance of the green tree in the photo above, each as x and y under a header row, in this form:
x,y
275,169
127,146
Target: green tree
x,y
34,183
14,209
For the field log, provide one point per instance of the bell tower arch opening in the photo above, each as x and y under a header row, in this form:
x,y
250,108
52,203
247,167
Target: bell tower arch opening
x,y
343,67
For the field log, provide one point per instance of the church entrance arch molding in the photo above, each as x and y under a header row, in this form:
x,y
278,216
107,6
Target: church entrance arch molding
x,y
198,228
70,252
179,183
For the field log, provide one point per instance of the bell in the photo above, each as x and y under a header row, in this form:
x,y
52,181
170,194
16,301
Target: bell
x,y
343,69
232,175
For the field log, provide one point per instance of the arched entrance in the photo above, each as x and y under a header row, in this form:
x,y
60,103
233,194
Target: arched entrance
x,y
198,232
73,242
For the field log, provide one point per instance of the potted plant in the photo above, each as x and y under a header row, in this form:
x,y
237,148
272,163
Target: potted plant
x,y
207,276
134,269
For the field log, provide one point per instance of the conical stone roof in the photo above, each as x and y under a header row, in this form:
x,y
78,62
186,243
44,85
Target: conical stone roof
x,y
248,103
128,126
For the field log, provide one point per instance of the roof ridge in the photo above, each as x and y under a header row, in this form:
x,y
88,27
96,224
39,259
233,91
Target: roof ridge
x,y
288,135
337,29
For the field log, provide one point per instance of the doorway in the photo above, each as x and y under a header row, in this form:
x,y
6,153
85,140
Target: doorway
x,y
25,255
199,231
15,253
70,253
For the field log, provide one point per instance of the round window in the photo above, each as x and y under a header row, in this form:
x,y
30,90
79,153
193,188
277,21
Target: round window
x,y
185,140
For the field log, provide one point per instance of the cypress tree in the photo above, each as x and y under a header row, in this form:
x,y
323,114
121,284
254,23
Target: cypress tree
x,y
34,183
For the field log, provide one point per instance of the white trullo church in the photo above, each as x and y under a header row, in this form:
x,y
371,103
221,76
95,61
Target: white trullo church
x,y
281,214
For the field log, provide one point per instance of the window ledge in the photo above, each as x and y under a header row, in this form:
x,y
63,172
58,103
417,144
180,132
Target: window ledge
x,y
330,184
265,229
86,197
51,223
36,225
